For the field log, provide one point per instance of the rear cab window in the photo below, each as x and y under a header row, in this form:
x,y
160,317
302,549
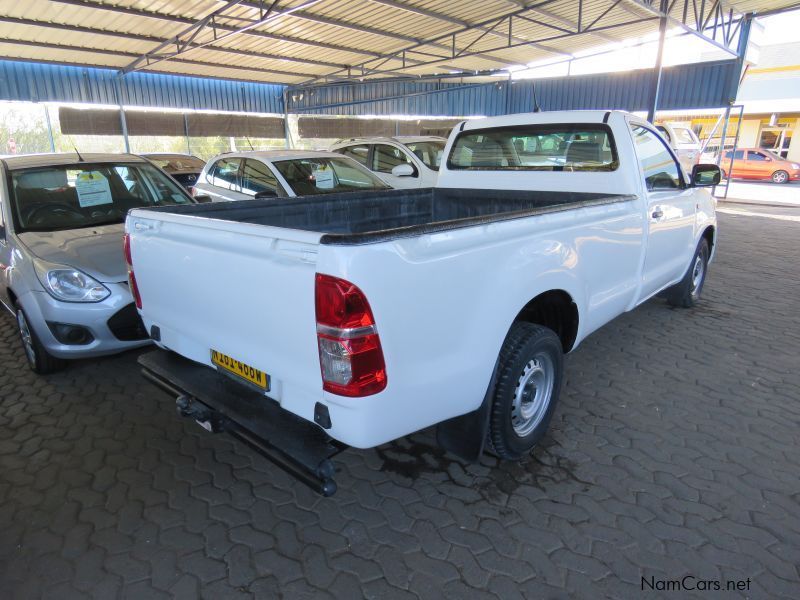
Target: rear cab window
x,y
545,147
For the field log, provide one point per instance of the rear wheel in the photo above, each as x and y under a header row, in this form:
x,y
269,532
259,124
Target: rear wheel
x,y
780,177
686,293
528,384
39,360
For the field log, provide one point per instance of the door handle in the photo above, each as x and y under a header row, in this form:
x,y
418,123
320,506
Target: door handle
x,y
657,213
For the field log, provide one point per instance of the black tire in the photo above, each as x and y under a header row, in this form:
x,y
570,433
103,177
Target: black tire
x,y
39,360
686,293
526,344
780,177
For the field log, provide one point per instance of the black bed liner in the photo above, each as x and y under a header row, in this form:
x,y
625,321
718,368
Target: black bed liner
x,y
368,217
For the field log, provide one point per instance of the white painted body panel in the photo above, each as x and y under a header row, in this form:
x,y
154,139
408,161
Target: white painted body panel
x,y
443,302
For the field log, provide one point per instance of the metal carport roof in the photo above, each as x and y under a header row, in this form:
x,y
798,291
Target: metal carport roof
x,y
318,41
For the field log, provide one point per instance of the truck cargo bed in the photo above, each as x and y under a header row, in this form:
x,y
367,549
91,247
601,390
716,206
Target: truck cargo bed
x,y
369,217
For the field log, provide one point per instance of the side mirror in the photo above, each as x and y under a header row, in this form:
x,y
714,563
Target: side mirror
x,y
706,175
266,194
203,199
403,170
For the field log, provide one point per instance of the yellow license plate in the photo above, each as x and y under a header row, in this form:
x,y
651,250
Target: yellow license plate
x,y
240,369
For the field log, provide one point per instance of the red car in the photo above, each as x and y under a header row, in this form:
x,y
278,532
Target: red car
x,y
757,163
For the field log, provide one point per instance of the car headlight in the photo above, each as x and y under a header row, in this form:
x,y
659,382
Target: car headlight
x,y
795,166
68,284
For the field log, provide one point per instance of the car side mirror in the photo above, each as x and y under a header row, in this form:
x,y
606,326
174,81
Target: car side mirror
x,y
706,175
403,170
202,199
266,194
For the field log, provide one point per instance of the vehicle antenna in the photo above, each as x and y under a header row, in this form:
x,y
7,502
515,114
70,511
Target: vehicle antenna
x,y
249,142
75,147
536,107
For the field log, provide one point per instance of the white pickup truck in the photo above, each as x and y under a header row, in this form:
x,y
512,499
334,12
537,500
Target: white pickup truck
x,y
362,317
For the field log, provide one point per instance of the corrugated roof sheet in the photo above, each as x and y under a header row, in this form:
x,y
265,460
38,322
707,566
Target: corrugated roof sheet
x,y
306,39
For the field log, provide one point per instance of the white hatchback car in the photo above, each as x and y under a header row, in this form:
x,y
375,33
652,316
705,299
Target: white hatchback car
x,y
281,173
403,162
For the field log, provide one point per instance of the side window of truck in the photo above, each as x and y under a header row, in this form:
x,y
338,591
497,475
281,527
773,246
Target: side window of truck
x,y
661,172
257,177
225,173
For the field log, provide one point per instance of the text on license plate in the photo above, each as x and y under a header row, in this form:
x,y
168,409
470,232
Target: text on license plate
x,y
237,367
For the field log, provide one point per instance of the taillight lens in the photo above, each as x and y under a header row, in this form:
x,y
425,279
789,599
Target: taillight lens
x,y
350,354
131,277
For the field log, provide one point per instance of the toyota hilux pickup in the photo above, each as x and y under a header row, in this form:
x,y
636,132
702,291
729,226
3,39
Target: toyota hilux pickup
x,y
304,325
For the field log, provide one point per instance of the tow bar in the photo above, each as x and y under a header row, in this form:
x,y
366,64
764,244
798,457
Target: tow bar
x,y
219,404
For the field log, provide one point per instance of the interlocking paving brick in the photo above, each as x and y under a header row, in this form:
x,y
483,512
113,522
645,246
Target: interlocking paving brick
x,y
674,451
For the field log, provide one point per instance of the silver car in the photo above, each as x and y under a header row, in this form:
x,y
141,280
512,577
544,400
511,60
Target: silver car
x,y
63,272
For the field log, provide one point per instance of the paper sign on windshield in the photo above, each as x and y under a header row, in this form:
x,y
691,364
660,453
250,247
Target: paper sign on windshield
x,y
323,178
93,189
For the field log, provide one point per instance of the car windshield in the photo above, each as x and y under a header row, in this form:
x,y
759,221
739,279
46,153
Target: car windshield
x,y
429,152
174,164
326,175
85,195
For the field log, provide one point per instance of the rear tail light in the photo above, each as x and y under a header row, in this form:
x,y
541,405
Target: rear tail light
x,y
350,354
131,277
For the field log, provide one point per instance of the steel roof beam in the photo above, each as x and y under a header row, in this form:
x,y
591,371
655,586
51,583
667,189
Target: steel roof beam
x,y
160,53
148,14
460,22
559,19
156,40
366,71
702,20
370,30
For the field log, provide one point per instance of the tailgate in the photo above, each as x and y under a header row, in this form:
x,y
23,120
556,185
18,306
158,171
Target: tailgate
x,y
244,290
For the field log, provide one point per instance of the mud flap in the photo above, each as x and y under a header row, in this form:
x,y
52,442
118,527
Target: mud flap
x,y
465,436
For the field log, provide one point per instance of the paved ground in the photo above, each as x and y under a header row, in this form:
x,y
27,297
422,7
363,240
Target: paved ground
x,y
675,451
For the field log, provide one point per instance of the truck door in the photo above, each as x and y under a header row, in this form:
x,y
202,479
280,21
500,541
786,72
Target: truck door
x,y
670,212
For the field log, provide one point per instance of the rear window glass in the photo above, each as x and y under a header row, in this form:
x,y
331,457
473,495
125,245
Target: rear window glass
x,y
557,147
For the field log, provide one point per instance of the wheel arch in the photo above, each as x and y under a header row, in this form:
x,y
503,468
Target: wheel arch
x,y
557,310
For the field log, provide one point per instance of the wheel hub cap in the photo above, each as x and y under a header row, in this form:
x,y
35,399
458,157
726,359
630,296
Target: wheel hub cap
x,y
532,394
697,275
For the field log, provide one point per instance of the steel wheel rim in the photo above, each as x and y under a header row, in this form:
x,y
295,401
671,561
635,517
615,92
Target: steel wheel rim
x,y
698,272
532,394
779,177
27,338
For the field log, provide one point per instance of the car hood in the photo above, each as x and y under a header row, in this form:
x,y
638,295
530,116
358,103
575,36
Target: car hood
x,y
97,251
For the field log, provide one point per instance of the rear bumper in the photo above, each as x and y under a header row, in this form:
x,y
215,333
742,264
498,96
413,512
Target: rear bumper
x,y
297,446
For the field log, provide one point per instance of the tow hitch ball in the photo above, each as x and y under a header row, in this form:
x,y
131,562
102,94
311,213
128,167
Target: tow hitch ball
x,y
207,419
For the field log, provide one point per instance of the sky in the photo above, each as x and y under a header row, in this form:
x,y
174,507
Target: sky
x,y
640,53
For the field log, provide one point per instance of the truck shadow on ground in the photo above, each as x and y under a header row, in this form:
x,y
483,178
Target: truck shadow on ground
x,y
418,456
